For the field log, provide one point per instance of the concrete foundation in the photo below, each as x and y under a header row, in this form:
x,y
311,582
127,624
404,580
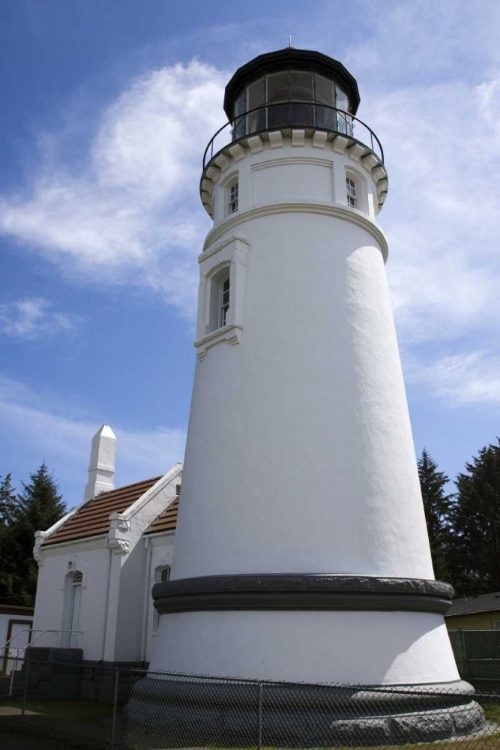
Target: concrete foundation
x,y
200,710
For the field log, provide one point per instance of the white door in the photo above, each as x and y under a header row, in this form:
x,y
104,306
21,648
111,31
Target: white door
x,y
20,634
71,615
74,639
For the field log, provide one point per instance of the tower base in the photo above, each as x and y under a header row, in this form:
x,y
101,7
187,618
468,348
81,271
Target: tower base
x,y
201,711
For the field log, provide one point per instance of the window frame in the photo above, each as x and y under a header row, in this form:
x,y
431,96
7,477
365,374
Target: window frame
x,y
224,299
228,256
352,191
159,570
232,196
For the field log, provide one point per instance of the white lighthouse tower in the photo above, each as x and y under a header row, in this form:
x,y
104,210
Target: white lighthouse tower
x,y
301,550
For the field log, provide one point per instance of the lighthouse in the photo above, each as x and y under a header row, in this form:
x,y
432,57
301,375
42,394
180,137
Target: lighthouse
x,y
301,551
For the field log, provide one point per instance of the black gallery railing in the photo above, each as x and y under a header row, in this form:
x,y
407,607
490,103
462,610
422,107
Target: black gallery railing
x,y
293,114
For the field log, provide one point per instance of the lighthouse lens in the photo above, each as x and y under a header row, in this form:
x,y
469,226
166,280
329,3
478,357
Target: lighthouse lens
x,y
257,98
325,93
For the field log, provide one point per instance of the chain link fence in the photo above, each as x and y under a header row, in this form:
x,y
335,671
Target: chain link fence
x,y
91,705
477,653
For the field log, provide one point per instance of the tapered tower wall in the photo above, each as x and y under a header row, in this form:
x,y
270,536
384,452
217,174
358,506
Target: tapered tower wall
x,y
300,456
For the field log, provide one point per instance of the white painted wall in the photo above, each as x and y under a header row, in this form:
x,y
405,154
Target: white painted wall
x,y
130,611
92,558
347,647
300,455
294,174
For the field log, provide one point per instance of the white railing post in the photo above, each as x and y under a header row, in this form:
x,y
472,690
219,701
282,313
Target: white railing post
x,y
12,673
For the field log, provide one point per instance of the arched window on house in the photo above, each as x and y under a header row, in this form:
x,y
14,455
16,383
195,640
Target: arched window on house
x,y
72,608
162,574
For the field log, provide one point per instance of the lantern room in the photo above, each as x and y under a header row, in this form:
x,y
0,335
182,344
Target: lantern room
x,y
291,88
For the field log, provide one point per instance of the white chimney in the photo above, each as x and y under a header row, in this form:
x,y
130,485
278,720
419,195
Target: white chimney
x,y
102,463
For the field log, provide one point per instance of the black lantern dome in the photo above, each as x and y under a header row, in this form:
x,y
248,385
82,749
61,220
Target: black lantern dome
x,y
312,66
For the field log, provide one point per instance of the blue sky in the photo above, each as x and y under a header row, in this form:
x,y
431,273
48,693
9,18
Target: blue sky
x,y
106,110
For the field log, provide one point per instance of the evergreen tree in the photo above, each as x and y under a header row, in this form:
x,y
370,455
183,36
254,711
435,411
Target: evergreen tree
x,y
7,500
38,507
475,554
7,505
437,509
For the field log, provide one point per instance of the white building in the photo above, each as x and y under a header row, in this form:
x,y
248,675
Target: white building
x,y
98,564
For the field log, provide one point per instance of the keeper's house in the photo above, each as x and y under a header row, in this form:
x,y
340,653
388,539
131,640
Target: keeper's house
x,y
475,613
98,564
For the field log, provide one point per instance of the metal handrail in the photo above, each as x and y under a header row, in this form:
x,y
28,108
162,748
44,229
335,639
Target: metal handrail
x,y
32,641
340,117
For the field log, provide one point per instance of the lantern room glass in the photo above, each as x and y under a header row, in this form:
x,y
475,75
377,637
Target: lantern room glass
x,y
291,98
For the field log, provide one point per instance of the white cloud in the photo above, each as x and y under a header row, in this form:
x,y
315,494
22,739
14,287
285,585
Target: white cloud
x,y
441,215
46,428
470,379
430,89
132,213
33,318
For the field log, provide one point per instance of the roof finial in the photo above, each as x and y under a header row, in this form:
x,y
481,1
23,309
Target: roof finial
x,y
290,41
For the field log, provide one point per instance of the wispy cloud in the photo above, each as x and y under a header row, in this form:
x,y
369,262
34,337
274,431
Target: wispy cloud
x,y
34,318
131,213
45,427
442,146
457,380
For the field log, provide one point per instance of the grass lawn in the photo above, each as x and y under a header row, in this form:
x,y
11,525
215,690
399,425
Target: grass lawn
x,y
79,724
88,725
84,713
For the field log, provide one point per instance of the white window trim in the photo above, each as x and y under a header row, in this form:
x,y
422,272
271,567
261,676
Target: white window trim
x,y
233,253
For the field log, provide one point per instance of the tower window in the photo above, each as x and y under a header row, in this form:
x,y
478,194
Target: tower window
x,y
224,301
219,299
232,196
352,192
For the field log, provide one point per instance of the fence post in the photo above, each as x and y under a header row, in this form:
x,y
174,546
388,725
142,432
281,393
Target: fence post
x,y
259,738
25,691
463,647
115,708
12,673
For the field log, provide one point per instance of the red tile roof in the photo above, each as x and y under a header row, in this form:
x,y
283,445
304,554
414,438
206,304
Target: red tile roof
x,y
166,521
93,518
